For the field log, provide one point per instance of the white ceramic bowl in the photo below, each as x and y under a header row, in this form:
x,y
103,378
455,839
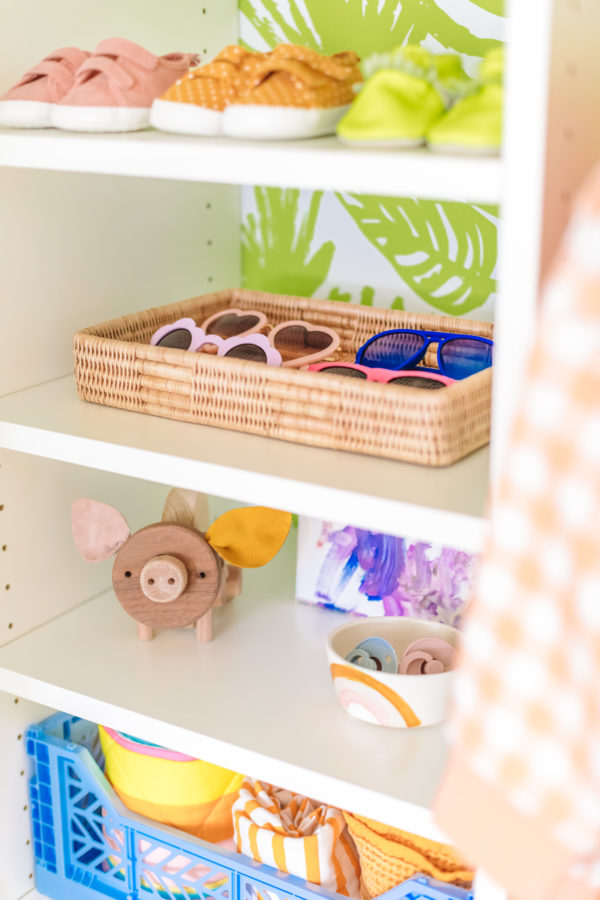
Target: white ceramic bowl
x,y
397,701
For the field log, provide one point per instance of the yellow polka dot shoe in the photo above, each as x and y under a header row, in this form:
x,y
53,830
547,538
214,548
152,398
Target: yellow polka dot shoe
x,y
195,103
292,93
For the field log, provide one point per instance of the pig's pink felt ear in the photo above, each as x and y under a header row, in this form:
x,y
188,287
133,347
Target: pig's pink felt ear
x,y
99,530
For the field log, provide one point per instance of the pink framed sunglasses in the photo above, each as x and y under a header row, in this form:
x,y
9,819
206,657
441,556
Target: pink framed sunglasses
x,y
184,334
255,347
235,322
427,380
293,344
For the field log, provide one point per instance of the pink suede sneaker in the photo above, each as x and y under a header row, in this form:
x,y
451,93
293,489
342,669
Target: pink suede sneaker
x,y
29,103
115,87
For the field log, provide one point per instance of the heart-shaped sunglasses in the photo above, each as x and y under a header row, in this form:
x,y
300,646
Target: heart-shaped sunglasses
x,y
427,380
291,344
458,355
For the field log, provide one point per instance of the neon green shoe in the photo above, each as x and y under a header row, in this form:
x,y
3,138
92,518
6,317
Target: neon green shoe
x,y
474,125
407,91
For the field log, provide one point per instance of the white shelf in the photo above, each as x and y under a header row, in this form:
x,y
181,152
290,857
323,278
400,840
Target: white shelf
x,y
437,505
257,699
323,163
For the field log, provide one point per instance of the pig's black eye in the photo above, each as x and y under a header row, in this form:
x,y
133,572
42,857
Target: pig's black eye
x,y
127,574
201,574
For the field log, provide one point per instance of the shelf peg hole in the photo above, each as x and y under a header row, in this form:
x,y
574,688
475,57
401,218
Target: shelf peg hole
x,y
4,547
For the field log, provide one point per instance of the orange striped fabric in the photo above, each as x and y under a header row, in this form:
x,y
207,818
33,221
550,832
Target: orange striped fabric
x,y
521,795
296,835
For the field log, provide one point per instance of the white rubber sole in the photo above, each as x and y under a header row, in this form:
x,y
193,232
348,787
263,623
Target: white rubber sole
x,y
280,123
100,118
391,144
186,118
458,150
25,114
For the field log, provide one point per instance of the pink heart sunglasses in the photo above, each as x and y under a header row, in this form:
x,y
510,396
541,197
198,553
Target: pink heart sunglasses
x,y
291,344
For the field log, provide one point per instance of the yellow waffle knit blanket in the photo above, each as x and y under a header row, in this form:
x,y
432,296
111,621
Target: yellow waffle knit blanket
x,y
389,856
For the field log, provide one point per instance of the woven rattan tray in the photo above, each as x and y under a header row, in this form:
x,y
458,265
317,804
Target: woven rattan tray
x,y
115,365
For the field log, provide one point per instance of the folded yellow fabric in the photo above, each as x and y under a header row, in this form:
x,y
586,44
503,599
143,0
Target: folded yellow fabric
x,y
296,835
169,787
389,856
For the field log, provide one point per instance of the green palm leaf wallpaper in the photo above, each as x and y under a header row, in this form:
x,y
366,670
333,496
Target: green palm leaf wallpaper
x,y
445,252
277,240
404,253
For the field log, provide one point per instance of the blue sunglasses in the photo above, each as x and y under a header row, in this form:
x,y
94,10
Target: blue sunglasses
x,y
458,355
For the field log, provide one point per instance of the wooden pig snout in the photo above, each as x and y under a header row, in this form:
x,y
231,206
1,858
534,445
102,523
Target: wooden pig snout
x,y
164,578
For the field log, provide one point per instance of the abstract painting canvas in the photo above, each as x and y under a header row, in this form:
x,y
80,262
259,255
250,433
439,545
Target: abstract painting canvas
x,y
370,574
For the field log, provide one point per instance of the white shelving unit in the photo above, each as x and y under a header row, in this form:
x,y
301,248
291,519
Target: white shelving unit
x,y
323,163
80,244
441,505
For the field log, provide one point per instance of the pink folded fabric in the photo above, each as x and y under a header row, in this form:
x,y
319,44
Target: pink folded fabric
x,y
116,85
28,103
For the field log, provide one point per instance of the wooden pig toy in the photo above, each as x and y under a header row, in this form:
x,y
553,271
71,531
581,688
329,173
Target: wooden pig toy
x,y
172,573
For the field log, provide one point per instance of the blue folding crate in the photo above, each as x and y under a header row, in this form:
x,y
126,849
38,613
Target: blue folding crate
x,y
88,845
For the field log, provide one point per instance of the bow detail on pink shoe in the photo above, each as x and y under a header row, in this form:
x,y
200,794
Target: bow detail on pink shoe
x,y
50,79
115,87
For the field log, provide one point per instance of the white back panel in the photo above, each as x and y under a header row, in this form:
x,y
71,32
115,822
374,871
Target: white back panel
x,y
31,30
41,572
79,249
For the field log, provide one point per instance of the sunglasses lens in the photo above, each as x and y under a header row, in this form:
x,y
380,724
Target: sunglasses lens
x,y
230,324
247,351
462,357
296,340
342,370
392,351
430,384
180,339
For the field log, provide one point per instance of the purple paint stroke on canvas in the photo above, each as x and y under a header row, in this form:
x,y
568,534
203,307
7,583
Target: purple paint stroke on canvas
x,y
409,579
